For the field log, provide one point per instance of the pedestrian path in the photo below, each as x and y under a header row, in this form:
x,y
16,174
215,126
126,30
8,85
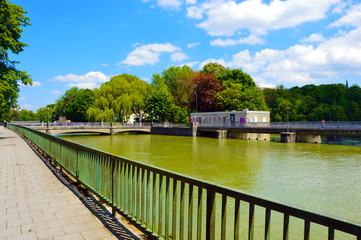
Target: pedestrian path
x,y
34,204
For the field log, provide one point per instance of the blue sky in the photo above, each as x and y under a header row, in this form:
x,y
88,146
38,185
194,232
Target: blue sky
x,y
84,42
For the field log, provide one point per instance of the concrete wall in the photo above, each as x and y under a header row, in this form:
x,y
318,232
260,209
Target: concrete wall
x,y
172,131
249,136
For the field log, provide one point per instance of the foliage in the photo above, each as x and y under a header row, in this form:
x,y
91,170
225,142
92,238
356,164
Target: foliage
x,y
207,86
23,115
119,98
179,83
214,68
74,104
236,97
233,76
11,20
332,102
159,104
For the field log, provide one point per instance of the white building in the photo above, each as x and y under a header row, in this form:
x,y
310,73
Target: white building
x,y
244,116
234,118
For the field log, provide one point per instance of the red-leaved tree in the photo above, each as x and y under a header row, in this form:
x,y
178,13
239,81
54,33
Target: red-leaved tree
x,y
207,88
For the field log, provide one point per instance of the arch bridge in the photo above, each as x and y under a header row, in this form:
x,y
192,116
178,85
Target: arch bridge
x,y
101,128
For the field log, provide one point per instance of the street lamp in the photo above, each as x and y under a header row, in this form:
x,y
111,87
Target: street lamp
x,y
196,98
48,115
42,116
288,127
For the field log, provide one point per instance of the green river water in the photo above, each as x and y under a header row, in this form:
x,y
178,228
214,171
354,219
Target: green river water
x,y
321,177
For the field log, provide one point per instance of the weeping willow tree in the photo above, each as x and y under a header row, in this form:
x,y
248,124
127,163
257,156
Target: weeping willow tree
x,y
119,98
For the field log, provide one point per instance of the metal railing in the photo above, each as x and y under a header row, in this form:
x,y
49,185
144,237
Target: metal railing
x,y
168,205
171,125
79,124
279,125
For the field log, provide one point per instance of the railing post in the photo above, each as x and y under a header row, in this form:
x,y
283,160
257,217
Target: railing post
x,y
211,215
112,164
111,128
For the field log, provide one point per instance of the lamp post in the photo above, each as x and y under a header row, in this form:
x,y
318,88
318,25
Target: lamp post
x,y
196,98
288,127
48,115
101,124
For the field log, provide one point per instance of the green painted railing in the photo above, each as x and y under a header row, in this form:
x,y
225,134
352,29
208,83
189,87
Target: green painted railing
x,y
171,206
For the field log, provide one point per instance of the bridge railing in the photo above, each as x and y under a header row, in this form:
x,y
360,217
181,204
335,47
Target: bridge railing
x,y
284,125
79,124
171,125
168,205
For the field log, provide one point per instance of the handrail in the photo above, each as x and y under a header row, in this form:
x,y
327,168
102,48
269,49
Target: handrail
x,y
169,205
335,125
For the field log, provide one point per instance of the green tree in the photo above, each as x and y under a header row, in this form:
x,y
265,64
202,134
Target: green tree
x,y
179,83
159,104
25,115
81,101
235,76
11,20
119,98
236,97
214,68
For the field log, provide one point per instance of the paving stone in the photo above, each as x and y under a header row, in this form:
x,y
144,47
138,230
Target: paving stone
x,y
34,204
34,227
95,234
73,236
79,227
48,233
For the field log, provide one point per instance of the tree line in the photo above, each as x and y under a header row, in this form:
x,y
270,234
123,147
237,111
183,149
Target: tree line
x,y
176,92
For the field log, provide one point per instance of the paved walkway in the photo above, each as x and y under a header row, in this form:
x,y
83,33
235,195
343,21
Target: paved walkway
x,y
34,204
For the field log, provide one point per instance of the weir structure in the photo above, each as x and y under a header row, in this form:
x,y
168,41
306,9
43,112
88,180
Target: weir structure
x,y
309,132
167,205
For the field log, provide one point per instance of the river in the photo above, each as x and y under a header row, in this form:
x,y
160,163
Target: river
x,y
321,177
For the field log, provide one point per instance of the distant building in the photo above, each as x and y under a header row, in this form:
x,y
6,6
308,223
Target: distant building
x,y
234,118
245,116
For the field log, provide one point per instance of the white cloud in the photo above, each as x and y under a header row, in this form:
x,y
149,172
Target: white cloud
x,y
28,107
189,64
315,37
251,40
89,80
191,1
190,45
195,12
266,85
35,84
55,92
352,17
89,85
301,63
178,57
224,18
148,54
212,60
169,3
105,64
